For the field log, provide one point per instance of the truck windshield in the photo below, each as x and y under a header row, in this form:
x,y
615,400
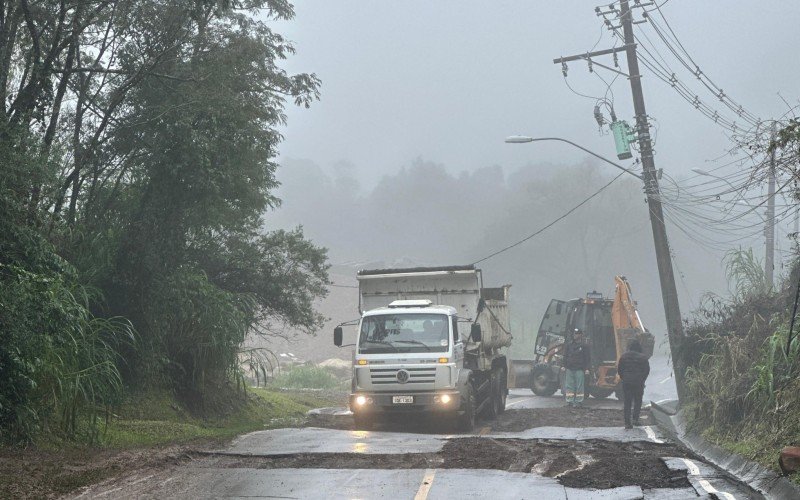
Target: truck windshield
x,y
403,333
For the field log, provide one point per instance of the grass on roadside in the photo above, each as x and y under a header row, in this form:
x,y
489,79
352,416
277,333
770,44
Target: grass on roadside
x,y
309,377
147,430
155,419
752,448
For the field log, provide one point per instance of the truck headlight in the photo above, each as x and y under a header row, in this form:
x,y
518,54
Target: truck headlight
x,y
361,400
442,399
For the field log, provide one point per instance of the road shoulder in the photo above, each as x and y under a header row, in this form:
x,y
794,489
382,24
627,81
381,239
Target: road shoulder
x,y
765,481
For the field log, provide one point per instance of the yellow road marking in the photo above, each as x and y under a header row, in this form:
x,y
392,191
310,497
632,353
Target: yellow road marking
x,y
425,487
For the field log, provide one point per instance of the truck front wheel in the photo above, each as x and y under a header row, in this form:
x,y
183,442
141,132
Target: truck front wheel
x,y
466,421
496,404
503,390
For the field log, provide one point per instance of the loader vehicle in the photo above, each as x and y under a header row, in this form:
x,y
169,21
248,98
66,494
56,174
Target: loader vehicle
x,y
607,324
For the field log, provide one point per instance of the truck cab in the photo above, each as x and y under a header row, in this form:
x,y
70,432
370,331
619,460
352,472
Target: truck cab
x,y
408,357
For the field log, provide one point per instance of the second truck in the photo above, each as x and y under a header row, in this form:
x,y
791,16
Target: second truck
x,y
430,341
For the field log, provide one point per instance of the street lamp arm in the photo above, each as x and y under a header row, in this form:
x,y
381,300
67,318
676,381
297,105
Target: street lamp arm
x,y
521,139
734,189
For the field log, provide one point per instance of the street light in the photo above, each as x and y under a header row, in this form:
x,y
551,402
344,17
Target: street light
x,y
700,171
521,139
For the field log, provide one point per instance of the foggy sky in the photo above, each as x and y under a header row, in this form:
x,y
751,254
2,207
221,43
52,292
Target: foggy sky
x,y
445,82
448,80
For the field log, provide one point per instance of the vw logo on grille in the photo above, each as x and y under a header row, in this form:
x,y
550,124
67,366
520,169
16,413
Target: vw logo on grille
x,y
402,376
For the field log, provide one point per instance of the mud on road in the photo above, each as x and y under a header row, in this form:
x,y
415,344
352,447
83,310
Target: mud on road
x,y
578,464
509,421
520,420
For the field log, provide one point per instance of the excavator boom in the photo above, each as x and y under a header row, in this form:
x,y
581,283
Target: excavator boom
x,y
625,318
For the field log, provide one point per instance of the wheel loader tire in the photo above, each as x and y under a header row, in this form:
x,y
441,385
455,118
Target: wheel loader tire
x,y
543,382
600,393
620,393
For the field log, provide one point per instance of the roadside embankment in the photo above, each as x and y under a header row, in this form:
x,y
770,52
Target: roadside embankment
x,y
762,479
743,358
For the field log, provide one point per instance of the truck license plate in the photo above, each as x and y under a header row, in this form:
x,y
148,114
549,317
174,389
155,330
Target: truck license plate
x,y
403,400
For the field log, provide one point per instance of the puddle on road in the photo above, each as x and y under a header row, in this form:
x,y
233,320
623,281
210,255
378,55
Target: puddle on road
x,y
577,464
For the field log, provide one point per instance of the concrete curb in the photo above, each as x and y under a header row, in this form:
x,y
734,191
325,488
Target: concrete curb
x,y
767,482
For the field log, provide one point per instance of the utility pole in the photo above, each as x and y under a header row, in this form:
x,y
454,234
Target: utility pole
x,y
669,292
769,230
796,229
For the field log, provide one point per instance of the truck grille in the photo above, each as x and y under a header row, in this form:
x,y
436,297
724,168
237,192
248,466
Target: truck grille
x,y
415,375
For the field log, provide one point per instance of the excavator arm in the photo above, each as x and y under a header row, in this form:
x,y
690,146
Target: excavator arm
x,y
626,320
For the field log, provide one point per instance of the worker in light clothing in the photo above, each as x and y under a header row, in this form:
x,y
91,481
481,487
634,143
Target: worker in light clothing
x,y
577,360
633,368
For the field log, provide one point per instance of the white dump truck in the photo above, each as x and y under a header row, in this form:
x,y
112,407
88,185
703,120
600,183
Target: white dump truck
x,y
429,341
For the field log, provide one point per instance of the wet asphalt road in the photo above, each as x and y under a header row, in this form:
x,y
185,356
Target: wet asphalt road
x,y
233,472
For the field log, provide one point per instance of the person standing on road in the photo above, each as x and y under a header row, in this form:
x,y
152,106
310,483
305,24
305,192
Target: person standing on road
x,y
633,368
576,365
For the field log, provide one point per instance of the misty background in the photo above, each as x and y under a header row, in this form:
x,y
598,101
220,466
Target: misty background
x,y
402,162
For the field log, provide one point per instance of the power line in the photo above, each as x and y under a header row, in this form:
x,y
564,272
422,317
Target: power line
x,y
734,106
664,72
552,223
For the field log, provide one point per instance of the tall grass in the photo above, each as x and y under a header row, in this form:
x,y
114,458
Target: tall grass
x,y
775,369
746,274
201,328
58,362
744,387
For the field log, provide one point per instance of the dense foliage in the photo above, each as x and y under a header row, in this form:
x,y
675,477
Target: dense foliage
x,y
137,149
742,351
743,382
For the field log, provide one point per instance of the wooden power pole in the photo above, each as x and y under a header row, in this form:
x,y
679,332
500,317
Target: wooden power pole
x,y
669,293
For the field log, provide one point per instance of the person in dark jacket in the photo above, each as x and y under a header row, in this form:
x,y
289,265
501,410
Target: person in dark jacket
x,y
633,368
577,361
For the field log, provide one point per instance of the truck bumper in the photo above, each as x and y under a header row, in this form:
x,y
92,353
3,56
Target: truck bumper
x,y
448,401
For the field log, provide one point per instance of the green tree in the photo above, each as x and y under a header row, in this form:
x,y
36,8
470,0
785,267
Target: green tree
x,y
142,136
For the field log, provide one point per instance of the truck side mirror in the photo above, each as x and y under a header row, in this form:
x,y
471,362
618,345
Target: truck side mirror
x,y
337,336
475,332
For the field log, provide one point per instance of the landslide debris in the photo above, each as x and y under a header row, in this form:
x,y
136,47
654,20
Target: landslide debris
x,y
579,464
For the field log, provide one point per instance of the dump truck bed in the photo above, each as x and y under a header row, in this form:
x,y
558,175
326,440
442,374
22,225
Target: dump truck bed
x,y
454,286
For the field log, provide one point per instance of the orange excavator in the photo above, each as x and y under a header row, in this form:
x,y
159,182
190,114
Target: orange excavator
x,y
608,325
